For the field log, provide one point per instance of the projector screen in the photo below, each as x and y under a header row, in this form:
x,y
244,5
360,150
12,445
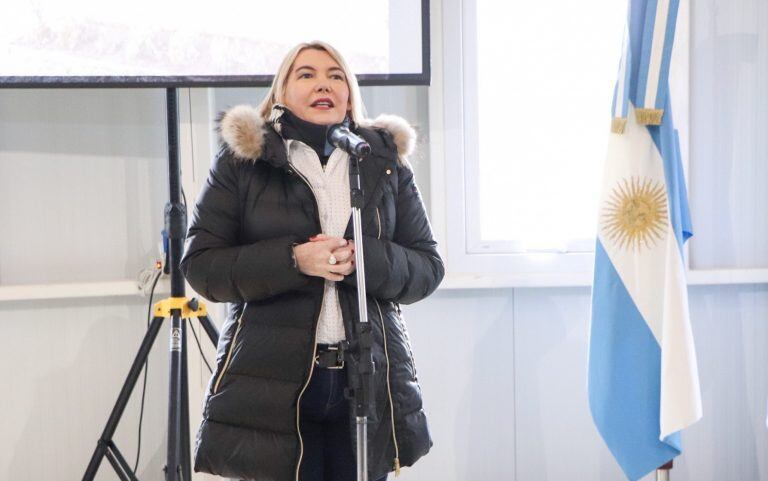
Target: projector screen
x,y
175,43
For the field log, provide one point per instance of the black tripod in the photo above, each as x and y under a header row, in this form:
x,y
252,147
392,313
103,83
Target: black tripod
x,y
179,308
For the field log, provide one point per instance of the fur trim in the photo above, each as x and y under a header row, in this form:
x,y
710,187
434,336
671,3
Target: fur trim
x,y
242,130
401,131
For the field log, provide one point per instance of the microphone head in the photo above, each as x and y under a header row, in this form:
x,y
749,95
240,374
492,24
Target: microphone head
x,y
340,137
363,149
334,133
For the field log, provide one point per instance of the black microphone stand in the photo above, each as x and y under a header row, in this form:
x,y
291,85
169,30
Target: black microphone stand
x,y
361,371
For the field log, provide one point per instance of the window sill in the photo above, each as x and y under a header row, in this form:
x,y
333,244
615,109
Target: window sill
x,y
125,288
584,279
80,290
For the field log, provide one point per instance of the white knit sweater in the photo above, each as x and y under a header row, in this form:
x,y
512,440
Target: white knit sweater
x,y
331,189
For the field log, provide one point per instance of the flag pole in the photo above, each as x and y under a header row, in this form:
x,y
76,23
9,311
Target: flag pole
x,y
662,472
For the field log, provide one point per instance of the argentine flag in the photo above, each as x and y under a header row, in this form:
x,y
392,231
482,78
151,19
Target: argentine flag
x,y
643,379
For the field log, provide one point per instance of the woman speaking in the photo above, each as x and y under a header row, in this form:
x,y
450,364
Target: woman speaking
x,y
272,234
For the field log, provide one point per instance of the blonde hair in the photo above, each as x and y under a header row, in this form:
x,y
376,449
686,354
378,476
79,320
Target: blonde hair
x,y
277,90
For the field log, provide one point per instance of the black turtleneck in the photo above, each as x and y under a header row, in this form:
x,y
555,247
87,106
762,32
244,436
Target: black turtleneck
x,y
314,135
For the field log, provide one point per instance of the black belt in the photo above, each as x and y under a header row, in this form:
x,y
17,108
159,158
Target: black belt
x,y
330,356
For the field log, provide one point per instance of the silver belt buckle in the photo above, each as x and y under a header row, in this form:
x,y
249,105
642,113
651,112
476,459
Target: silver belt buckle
x,y
330,348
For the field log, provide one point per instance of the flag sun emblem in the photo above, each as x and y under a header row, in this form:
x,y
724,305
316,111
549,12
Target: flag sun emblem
x,y
635,213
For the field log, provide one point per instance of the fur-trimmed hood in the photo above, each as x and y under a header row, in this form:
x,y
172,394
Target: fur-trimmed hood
x,y
243,130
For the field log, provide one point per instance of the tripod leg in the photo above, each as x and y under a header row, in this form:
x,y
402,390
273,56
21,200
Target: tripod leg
x,y
210,329
186,470
173,467
120,464
116,465
122,399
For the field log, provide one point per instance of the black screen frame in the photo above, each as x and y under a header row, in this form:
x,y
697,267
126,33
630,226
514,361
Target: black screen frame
x,y
193,81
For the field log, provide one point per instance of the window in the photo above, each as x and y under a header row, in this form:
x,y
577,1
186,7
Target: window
x,y
526,93
542,85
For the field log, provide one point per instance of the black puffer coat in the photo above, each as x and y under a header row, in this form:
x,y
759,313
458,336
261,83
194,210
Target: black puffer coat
x,y
252,209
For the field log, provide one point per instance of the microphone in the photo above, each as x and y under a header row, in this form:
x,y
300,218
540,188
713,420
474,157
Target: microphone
x,y
340,136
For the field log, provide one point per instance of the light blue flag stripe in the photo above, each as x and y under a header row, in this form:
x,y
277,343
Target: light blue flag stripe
x,y
662,92
645,42
635,25
624,382
666,139
684,211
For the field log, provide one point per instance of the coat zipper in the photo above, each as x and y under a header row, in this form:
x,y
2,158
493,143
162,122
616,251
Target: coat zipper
x,y
386,355
229,352
317,324
389,393
298,401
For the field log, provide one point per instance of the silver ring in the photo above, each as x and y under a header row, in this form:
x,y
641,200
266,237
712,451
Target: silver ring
x,y
332,260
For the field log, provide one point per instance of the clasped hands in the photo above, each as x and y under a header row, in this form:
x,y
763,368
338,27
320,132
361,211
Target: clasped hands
x,y
315,258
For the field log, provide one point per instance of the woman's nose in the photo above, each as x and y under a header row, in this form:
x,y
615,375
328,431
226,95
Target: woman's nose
x,y
323,86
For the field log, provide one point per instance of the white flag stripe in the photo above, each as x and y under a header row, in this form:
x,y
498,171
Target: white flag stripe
x,y
680,399
635,154
657,51
620,95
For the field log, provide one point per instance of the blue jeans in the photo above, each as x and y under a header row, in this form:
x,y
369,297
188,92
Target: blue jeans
x,y
325,429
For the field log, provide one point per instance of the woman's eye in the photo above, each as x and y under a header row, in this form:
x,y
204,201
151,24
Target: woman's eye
x,y
305,75
337,77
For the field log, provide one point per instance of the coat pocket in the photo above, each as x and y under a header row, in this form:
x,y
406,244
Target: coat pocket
x,y
229,354
400,325
386,214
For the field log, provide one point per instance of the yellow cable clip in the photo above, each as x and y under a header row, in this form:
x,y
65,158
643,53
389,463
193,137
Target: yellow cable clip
x,y
163,308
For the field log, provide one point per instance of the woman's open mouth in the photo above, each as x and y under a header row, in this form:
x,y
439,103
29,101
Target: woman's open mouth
x,y
322,104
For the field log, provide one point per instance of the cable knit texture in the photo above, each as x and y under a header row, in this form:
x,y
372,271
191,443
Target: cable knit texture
x,y
331,188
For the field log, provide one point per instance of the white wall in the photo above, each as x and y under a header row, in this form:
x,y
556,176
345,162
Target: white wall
x,y
503,373
83,187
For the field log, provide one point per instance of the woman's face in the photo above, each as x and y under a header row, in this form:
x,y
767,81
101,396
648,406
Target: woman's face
x,y
316,89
